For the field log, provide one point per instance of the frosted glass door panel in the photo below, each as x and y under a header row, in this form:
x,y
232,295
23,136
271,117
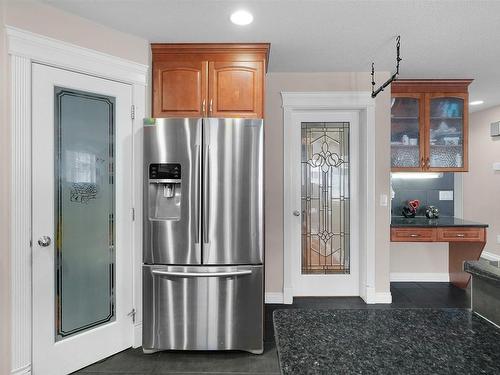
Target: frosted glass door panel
x,y
446,133
84,211
405,132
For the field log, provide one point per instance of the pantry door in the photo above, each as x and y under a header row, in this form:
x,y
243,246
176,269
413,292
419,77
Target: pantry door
x,y
324,214
82,223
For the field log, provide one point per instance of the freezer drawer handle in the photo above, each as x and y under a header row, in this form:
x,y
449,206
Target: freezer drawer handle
x,y
201,274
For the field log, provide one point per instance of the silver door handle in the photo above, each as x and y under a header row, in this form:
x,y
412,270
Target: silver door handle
x,y
296,213
200,274
203,108
198,196
44,241
414,235
206,194
210,108
460,235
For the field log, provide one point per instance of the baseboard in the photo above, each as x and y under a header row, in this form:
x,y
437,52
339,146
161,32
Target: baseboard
x,y
490,256
373,297
137,335
420,277
26,370
273,297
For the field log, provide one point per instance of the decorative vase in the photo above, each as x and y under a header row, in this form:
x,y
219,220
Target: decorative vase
x,y
432,212
410,208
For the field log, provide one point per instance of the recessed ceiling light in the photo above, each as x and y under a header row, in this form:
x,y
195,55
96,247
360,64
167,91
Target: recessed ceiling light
x,y
476,102
241,17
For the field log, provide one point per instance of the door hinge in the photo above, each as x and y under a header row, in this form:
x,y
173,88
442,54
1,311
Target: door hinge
x,y
132,314
133,214
132,112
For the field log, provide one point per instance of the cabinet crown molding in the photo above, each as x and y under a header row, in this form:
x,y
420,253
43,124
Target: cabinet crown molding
x,y
430,85
261,49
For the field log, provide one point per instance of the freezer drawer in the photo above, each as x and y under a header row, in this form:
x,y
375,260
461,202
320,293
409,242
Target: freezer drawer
x,y
203,308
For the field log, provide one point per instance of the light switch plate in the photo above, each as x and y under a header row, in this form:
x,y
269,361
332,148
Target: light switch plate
x,y
496,166
383,200
498,238
445,195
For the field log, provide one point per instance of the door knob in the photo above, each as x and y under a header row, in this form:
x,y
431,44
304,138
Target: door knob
x,y
44,241
296,213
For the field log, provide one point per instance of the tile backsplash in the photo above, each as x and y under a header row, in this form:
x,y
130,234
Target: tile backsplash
x,y
426,191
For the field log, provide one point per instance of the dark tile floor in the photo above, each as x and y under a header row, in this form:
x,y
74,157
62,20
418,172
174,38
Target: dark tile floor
x,y
404,295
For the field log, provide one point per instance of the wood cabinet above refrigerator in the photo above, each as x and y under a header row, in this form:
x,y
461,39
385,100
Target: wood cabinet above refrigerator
x,y
429,125
209,80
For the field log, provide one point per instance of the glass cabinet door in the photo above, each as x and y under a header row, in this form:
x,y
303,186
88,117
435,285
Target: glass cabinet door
x,y
447,126
406,142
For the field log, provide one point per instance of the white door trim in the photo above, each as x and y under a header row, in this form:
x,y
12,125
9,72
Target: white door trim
x,y
24,48
314,102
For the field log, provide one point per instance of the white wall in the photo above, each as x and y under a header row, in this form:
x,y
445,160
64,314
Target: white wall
x,y
277,82
482,184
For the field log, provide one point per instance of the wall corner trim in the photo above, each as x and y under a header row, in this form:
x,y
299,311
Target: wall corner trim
x,y
274,298
373,297
40,48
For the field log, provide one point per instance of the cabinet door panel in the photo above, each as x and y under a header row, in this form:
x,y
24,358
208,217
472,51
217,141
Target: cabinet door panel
x,y
407,136
179,88
447,123
236,89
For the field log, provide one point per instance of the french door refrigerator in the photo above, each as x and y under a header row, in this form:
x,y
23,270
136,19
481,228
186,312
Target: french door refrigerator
x,y
203,277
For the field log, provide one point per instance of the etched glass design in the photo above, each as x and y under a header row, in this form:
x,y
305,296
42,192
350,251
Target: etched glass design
x,y
325,198
84,211
405,140
446,133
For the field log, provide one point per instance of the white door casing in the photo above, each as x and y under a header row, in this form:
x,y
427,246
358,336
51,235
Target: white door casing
x,y
89,346
298,104
323,284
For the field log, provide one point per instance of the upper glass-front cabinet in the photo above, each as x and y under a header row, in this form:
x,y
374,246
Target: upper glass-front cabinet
x,y
429,125
406,140
446,130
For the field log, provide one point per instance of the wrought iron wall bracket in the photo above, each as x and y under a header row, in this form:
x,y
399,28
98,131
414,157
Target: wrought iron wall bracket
x,y
393,77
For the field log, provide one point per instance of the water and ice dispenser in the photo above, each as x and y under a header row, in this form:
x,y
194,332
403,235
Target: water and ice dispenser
x,y
165,197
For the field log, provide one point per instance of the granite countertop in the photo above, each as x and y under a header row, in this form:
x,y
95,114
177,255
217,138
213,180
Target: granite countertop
x,y
443,221
393,341
484,270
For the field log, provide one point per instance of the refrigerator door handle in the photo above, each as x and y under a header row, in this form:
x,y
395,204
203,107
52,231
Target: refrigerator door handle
x,y
201,274
198,196
206,193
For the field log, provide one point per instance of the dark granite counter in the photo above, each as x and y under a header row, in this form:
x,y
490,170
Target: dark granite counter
x,y
483,269
397,341
444,221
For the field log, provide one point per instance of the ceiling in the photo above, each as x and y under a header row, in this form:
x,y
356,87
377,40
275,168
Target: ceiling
x,y
439,38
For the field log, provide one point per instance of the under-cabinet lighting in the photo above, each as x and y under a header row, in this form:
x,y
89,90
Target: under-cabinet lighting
x,y
241,17
416,175
476,102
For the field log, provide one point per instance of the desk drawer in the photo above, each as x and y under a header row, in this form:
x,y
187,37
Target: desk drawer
x,y
461,234
413,234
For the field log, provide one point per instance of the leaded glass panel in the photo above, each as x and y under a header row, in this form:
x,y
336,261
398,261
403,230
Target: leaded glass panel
x,y
325,198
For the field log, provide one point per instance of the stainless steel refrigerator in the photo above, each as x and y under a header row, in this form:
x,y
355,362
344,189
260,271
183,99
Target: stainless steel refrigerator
x,y
203,277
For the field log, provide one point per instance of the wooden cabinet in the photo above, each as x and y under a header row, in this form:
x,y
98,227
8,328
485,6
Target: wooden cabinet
x,y
429,125
214,80
179,88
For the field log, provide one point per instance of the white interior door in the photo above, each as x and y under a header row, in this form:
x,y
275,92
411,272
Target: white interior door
x,y
323,206
82,224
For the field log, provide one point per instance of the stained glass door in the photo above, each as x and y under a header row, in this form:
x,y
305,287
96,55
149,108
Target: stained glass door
x,y
325,198
325,223
82,289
